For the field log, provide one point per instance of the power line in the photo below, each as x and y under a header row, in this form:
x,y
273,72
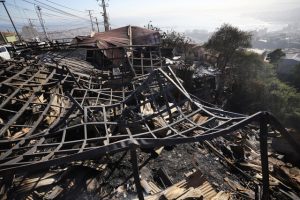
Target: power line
x,y
14,5
53,9
3,2
69,25
59,10
59,16
21,13
61,20
26,9
46,14
15,17
65,6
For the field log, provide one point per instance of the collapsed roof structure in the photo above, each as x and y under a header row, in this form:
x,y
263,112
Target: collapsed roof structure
x,y
120,37
58,111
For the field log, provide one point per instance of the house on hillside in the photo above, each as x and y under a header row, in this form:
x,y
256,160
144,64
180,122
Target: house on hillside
x,y
126,46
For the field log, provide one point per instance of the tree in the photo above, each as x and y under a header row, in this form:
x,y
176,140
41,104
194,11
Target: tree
x,y
176,40
275,56
248,70
295,77
256,87
172,39
292,77
224,43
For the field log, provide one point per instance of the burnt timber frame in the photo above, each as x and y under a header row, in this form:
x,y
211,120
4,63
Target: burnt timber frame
x,y
100,110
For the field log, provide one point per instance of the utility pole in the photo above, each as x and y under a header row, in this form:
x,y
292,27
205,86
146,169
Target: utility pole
x,y
105,17
39,14
97,23
3,2
90,14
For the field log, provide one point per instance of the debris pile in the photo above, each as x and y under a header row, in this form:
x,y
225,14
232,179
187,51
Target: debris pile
x,y
72,131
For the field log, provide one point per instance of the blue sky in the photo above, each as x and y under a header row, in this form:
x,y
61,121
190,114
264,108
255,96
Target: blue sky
x,y
167,14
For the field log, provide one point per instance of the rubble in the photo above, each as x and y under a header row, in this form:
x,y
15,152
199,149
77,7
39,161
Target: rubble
x,y
194,186
70,130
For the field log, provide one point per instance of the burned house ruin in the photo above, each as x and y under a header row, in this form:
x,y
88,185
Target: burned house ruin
x,y
77,129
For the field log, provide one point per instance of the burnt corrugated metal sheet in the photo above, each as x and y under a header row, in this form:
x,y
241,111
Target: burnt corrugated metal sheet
x,y
124,36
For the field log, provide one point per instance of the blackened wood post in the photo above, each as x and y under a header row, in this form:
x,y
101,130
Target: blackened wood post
x,y
135,169
264,154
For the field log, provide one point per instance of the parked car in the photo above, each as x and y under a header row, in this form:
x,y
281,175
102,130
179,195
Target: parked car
x,y
4,53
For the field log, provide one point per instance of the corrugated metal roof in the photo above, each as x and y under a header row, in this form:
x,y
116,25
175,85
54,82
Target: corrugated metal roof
x,y
124,36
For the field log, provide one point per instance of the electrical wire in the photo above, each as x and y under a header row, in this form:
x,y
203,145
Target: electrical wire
x,y
59,10
53,9
65,6
62,18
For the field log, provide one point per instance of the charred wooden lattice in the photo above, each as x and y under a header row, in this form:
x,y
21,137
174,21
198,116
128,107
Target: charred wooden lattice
x,y
53,114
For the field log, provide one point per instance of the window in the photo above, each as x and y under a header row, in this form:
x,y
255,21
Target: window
x,y
2,49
